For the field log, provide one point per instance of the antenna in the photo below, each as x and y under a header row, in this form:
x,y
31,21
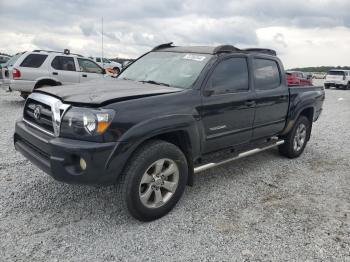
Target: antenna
x,y
102,43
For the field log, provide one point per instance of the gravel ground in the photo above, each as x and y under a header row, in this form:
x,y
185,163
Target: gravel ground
x,y
262,208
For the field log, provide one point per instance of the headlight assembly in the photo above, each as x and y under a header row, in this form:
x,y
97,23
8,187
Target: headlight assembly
x,y
86,122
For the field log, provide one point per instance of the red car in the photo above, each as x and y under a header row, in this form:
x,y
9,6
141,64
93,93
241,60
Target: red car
x,y
295,78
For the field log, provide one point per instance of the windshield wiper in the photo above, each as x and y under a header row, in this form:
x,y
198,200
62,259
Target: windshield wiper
x,y
154,82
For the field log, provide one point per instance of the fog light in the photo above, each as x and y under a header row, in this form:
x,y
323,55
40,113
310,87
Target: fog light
x,y
82,163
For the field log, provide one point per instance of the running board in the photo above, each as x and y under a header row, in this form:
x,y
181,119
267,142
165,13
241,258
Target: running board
x,y
241,155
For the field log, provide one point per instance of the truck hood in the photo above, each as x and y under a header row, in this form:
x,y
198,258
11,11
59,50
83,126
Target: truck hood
x,y
106,90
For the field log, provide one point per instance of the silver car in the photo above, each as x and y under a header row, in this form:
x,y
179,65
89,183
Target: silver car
x,y
40,68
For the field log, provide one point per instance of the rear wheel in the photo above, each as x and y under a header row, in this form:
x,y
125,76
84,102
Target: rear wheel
x,y
326,86
297,138
153,180
116,70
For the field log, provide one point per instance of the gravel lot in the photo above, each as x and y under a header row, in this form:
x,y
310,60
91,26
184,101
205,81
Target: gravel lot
x,y
262,208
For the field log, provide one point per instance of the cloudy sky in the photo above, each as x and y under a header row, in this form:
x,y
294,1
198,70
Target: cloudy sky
x,y
304,32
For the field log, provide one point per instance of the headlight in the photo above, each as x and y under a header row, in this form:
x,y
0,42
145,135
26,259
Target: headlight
x,y
86,121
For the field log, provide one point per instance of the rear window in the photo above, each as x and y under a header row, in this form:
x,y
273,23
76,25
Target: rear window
x,y
33,60
266,74
336,73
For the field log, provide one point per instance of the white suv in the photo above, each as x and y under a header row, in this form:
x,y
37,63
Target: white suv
x,y
108,64
338,78
41,68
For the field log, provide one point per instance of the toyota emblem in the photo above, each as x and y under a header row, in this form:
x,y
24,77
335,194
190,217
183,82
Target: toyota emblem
x,y
37,112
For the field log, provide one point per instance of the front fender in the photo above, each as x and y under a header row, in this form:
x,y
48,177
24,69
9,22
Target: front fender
x,y
148,129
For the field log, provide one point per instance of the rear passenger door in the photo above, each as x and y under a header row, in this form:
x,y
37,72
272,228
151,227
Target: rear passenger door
x,y
64,70
227,110
272,98
89,70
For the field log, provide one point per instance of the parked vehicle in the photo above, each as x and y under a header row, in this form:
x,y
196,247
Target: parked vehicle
x,y
111,66
4,68
40,68
295,78
4,59
319,75
174,112
338,78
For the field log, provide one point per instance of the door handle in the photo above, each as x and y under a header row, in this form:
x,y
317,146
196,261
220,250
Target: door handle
x,y
84,75
250,103
55,73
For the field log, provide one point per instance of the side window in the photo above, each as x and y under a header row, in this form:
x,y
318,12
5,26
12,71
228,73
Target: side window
x,y
266,74
63,63
230,76
98,60
33,60
89,66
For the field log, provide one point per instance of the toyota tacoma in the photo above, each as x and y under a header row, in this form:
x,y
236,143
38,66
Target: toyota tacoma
x,y
173,112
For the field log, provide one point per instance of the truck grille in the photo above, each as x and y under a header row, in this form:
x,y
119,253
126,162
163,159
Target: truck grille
x,y
44,112
38,114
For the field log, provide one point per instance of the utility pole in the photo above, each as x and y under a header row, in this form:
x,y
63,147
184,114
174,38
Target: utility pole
x,y
102,43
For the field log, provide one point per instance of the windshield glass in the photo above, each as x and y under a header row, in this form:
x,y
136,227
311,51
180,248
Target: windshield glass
x,y
336,73
167,68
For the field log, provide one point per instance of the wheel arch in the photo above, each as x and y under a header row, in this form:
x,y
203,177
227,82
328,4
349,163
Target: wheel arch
x,y
46,81
182,132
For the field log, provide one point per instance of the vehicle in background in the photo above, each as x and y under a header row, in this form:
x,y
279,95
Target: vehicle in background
x,y
173,112
318,75
110,66
338,78
4,59
4,67
32,70
296,78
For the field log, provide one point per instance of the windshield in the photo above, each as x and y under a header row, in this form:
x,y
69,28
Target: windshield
x,y
167,68
336,73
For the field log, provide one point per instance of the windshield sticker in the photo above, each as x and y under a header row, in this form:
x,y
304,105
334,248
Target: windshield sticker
x,y
198,58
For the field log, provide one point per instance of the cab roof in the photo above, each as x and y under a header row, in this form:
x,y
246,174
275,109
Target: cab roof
x,y
169,47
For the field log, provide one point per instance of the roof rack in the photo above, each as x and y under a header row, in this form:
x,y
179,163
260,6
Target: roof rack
x,y
66,52
261,50
225,49
170,44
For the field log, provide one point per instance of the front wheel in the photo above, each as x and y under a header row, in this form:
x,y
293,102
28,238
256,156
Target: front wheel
x,y
296,139
153,180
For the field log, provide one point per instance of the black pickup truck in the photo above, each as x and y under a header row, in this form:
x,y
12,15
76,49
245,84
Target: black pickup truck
x,y
173,112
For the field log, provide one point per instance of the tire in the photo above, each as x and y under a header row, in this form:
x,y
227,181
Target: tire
x,y
24,95
143,184
326,86
116,70
296,139
348,86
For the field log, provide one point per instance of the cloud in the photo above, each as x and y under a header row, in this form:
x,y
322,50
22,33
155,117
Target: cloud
x,y
135,26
